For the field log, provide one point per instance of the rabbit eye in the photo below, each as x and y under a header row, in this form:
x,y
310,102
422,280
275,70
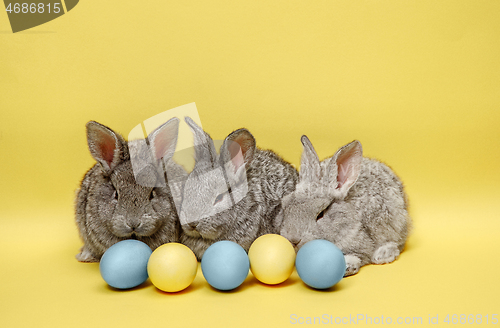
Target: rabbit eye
x,y
152,195
219,198
320,215
115,195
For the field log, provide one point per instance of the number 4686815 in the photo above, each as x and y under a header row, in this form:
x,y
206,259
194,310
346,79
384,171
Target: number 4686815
x,y
33,8
471,319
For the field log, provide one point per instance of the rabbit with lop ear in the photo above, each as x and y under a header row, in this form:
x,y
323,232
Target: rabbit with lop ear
x,y
357,203
120,198
234,195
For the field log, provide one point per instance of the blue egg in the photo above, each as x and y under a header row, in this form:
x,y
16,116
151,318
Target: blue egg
x,y
320,264
225,265
124,265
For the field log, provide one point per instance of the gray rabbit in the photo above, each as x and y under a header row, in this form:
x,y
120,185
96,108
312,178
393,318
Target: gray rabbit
x,y
117,201
357,203
234,195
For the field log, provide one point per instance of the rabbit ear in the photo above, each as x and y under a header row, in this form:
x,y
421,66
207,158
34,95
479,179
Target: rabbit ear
x,y
205,153
106,146
309,163
239,148
163,139
348,166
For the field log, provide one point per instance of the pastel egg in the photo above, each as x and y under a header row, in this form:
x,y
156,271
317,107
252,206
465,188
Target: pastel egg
x,y
272,258
124,265
320,264
172,267
225,265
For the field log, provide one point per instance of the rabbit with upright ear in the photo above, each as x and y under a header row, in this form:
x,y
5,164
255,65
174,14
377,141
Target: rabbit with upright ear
x,y
357,203
234,195
120,198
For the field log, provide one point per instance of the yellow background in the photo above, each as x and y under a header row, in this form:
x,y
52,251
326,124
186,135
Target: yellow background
x,y
416,81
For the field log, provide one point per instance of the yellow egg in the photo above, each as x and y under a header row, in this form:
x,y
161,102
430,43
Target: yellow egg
x,y
172,267
272,259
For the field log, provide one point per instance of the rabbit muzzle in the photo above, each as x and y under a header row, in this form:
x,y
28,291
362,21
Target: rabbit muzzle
x,y
139,225
206,228
296,241
190,229
300,219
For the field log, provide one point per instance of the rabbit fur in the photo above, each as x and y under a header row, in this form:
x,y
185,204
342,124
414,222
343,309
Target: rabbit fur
x,y
357,203
113,204
234,195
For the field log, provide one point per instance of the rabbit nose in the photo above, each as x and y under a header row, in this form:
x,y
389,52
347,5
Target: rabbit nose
x,y
134,224
295,242
193,225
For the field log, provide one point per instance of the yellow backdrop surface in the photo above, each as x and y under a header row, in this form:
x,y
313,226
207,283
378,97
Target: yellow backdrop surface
x,y
417,82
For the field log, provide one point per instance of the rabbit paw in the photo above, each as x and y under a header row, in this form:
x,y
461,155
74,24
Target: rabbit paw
x,y
386,253
86,256
352,263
